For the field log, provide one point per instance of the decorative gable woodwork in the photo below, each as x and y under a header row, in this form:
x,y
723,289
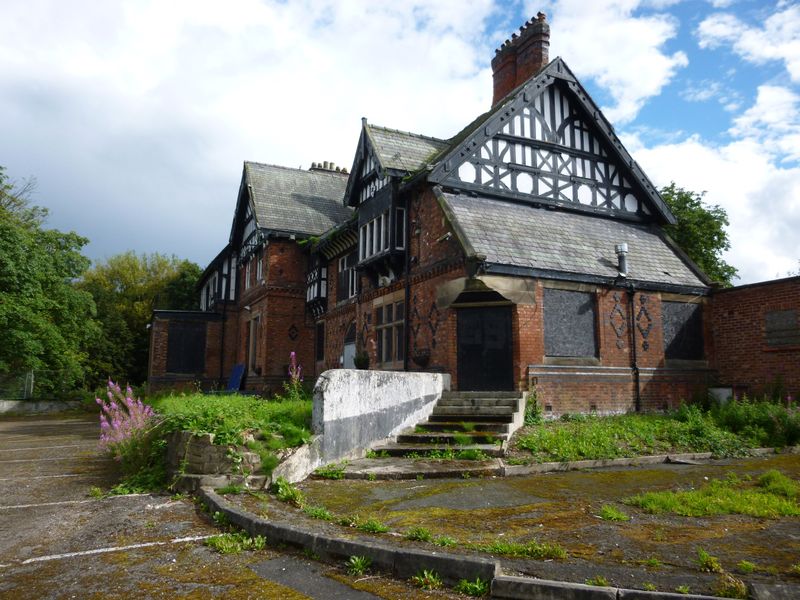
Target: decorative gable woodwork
x,y
550,145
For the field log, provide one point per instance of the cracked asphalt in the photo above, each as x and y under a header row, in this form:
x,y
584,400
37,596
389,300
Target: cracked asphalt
x,y
58,542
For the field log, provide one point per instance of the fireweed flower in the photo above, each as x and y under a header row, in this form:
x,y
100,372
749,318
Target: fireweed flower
x,y
123,420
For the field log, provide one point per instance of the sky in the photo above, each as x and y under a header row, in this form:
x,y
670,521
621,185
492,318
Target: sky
x,y
135,116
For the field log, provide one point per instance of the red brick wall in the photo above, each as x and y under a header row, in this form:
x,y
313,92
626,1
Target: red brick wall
x,y
742,357
607,384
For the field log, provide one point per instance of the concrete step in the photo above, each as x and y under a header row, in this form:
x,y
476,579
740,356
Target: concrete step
x,y
448,417
414,468
451,439
481,394
479,402
446,426
442,450
473,410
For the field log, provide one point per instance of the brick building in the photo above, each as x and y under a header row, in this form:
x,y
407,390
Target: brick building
x,y
525,251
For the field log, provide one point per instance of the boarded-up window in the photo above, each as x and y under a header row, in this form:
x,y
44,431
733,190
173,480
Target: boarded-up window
x,y
186,347
683,330
569,323
782,328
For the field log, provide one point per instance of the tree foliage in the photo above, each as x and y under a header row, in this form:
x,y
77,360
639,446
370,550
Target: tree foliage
x,y
46,322
126,289
700,232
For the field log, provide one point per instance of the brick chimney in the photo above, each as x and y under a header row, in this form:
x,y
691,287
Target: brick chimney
x,y
521,57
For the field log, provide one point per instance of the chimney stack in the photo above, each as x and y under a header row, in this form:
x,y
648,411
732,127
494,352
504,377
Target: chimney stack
x,y
521,57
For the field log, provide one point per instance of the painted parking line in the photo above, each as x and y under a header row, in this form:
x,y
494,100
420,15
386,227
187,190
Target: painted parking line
x,y
26,478
29,460
84,445
41,504
183,540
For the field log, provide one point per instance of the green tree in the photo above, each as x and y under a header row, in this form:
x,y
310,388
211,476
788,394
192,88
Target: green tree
x,y
700,232
126,288
46,322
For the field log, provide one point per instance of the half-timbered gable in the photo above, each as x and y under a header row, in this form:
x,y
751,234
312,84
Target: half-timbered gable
x,y
548,144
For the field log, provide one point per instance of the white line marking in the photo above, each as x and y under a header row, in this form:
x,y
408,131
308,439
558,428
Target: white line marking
x,y
183,540
22,460
47,504
70,501
87,444
41,477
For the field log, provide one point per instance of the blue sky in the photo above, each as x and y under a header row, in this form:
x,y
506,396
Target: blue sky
x,y
135,115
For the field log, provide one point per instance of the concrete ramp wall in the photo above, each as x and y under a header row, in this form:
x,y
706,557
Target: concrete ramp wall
x,y
354,409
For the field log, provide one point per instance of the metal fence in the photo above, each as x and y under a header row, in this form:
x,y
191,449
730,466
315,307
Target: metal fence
x,y
17,386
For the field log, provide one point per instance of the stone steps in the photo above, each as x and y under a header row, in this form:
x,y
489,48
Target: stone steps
x,y
469,426
484,420
451,438
440,451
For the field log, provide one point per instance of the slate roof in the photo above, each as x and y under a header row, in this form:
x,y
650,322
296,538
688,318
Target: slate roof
x,y
519,235
402,150
296,200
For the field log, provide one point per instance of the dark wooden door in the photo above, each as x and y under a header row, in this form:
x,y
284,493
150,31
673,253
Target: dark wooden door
x,y
485,359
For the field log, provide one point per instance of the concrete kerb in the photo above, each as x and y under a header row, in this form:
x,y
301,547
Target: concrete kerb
x,y
403,563
523,588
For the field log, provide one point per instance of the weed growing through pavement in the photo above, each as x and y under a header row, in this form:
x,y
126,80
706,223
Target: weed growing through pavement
x,y
358,565
612,513
234,543
286,492
419,534
427,579
745,566
598,580
479,587
708,563
318,512
729,586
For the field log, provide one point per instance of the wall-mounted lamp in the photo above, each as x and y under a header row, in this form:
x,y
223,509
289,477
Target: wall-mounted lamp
x,y
247,307
622,258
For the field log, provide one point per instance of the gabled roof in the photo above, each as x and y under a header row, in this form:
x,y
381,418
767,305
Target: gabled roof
x,y
520,239
462,146
401,150
295,200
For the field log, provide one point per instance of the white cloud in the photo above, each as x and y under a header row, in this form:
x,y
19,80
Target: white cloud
x,y
772,121
777,39
632,66
760,195
136,116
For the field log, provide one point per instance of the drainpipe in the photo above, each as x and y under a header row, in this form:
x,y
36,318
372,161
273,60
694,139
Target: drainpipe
x,y
634,364
226,288
622,270
407,312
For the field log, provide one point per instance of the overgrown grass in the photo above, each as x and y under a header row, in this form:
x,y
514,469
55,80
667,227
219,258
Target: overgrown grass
x,y
229,417
724,431
769,497
532,549
612,513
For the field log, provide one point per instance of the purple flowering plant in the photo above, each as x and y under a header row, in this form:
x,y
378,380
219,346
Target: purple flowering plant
x,y
126,427
294,387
